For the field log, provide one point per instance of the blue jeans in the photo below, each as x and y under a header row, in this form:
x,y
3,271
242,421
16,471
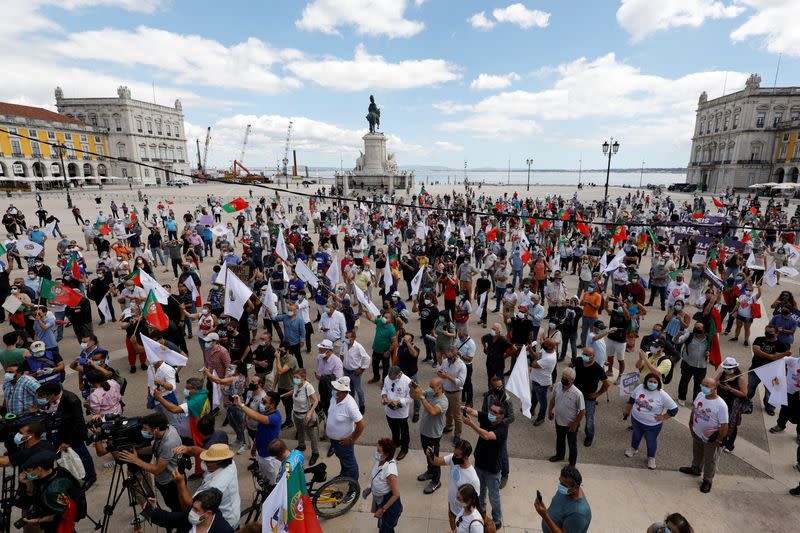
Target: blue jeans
x,y
538,397
586,325
498,292
752,383
516,277
60,328
208,248
491,482
86,459
417,403
390,517
591,405
650,434
356,388
347,459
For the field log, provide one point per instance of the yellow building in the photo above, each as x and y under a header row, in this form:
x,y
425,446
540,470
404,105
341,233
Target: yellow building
x,y
25,161
787,152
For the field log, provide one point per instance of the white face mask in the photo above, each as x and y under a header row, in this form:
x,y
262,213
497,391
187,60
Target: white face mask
x,y
194,518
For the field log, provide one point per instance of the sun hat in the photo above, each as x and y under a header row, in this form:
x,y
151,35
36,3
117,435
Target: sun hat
x,y
217,452
342,384
729,363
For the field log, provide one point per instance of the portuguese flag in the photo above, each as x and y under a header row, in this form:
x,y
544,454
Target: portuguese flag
x,y
699,212
718,203
102,228
134,218
491,235
749,235
66,296
714,351
235,205
137,280
154,314
3,249
288,507
74,268
620,234
46,289
582,226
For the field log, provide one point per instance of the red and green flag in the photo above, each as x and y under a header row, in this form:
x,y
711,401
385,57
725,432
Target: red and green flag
x,y
235,205
65,296
154,314
46,289
136,277
288,507
134,218
749,235
714,351
620,234
102,228
717,203
73,267
3,249
563,214
699,212
491,235
582,226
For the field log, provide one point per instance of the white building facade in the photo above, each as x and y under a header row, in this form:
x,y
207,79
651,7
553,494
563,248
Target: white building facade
x,y
138,131
734,135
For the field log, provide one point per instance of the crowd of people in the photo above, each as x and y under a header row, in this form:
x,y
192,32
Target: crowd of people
x,y
289,362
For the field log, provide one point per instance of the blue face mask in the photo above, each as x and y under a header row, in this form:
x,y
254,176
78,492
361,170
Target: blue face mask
x,y
656,333
562,489
585,358
297,381
186,393
42,401
652,385
30,477
492,417
19,438
705,390
147,435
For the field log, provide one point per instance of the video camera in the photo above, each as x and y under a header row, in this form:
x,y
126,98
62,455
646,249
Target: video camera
x,y
120,432
11,423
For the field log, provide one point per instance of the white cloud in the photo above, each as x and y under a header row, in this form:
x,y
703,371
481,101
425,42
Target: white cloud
x,y
603,87
641,18
480,22
490,81
369,17
140,6
367,71
776,21
184,59
447,146
522,16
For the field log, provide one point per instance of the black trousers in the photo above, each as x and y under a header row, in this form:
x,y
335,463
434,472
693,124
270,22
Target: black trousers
x,y
309,331
288,403
295,350
571,437
689,372
377,359
466,391
170,494
400,436
434,470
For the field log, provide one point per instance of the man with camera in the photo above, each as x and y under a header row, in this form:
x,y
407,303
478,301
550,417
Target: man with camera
x,y
55,500
165,440
28,440
68,411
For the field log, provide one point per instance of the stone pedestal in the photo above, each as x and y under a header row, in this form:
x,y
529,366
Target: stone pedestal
x,y
375,168
375,155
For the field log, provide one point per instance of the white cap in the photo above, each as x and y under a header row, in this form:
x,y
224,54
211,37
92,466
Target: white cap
x,y
326,344
212,337
342,384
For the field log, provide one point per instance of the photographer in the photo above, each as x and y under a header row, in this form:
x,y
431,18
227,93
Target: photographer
x,y
165,440
68,410
204,515
56,500
29,441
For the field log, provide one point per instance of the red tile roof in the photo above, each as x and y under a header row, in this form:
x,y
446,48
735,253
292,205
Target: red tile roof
x,y
36,113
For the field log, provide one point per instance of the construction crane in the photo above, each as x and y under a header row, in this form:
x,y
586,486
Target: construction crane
x,y
244,143
199,159
286,153
205,149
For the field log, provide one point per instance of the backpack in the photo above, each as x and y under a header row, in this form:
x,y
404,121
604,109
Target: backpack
x,y
666,379
488,525
78,495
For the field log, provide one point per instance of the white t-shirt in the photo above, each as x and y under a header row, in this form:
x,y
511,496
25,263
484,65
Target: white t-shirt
x,y
599,347
342,418
746,305
166,374
380,477
470,523
544,376
460,476
647,404
302,397
708,415
398,391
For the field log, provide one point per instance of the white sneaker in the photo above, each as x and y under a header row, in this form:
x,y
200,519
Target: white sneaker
x,y
616,381
651,463
630,452
682,403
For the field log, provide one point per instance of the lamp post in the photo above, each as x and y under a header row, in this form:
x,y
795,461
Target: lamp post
x,y
529,162
640,175
64,173
465,173
610,147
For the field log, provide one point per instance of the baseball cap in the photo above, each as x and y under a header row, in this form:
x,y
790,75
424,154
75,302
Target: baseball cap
x,y
212,337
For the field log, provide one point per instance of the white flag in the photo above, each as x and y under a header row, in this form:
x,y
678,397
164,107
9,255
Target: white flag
x,y
274,511
216,391
223,271
603,262
236,296
333,271
158,352
770,277
280,247
417,281
388,279
773,377
305,273
482,302
189,284
150,284
555,263
104,308
792,374
268,299
447,232
754,263
12,304
788,271
50,229
519,383
792,254
363,300
28,248
220,230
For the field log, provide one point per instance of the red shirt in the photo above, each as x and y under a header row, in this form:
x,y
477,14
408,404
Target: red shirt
x,y
449,288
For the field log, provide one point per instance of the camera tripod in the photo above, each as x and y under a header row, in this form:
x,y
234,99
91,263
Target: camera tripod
x,y
125,482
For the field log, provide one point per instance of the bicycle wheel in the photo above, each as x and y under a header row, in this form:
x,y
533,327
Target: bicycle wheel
x,y
336,497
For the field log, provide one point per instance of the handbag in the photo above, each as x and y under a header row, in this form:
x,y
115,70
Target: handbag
x,y
755,310
70,461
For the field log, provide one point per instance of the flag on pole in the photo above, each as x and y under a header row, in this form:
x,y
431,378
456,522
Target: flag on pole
x,y
235,205
288,508
717,203
582,226
154,314
236,296
28,248
73,267
50,229
714,351
363,300
149,284
104,308
620,234
333,271
519,382
773,377
417,281
280,247
189,284
66,296
699,212
46,289
305,273
158,352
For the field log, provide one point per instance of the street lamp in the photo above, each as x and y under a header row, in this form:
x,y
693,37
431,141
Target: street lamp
x,y
529,162
640,175
61,149
610,147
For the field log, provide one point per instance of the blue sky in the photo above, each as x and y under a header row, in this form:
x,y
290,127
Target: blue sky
x,y
481,81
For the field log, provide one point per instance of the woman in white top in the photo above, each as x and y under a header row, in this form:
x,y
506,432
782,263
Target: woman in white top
x,y
650,405
542,377
470,519
744,312
384,487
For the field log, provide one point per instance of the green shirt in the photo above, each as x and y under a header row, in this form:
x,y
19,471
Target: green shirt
x,y
285,380
384,335
11,357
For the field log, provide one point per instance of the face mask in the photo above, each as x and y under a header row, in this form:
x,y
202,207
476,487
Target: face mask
x,y
194,518
186,393
8,376
551,325
297,381
19,438
84,346
705,390
333,394
13,291
586,358
651,385
376,455
458,460
678,307
38,354
656,333
30,477
590,289
698,332
565,382
679,279
31,276
42,401
147,435
492,417
204,467
262,408
204,312
562,489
